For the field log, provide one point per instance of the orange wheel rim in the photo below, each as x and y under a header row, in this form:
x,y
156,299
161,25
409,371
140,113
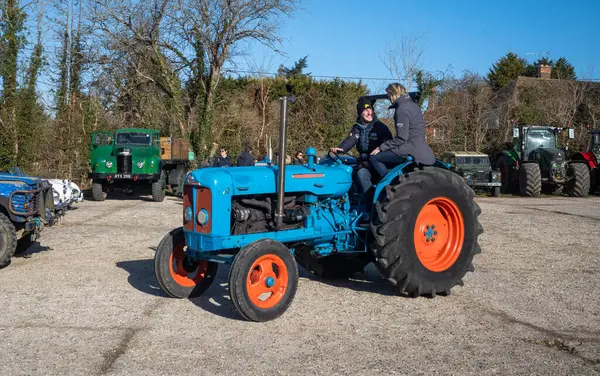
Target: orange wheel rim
x,y
439,234
267,281
194,273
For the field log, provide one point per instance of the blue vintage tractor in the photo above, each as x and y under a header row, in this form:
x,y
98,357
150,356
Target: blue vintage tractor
x,y
420,229
26,206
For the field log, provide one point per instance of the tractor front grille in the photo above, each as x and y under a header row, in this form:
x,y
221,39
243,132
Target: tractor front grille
x,y
558,174
26,203
482,175
124,162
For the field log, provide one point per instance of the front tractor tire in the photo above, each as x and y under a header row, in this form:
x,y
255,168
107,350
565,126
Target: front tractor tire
x,y
530,179
425,231
579,180
263,280
8,240
98,191
158,189
176,274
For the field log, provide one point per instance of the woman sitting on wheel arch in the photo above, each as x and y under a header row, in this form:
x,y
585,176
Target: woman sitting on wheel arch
x,y
367,134
410,134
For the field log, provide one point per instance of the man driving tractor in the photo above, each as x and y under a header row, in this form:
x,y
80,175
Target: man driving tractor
x,y
367,134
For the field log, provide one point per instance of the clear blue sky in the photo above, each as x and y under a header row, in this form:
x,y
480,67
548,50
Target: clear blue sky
x,y
347,37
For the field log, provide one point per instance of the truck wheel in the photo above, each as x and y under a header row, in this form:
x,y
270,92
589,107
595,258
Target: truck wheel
x,y
530,179
425,231
8,240
98,192
578,184
158,189
179,188
263,280
176,274
496,191
504,168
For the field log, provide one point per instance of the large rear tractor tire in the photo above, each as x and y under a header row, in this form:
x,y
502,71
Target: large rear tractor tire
x,y
505,177
530,179
8,240
425,231
263,280
579,180
98,192
158,189
178,276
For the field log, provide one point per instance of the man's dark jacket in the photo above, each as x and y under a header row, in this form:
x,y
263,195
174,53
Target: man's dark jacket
x,y
366,137
410,132
245,159
223,162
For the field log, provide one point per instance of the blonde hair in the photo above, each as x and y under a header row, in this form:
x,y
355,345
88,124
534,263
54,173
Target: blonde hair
x,y
395,90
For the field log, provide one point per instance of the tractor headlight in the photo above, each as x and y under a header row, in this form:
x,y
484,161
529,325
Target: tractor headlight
x,y
109,164
468,177
187,214
202,217
140,164
495,176
189,179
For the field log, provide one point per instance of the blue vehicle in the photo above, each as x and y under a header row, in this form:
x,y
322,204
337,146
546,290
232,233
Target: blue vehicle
x,y
420,229
26,206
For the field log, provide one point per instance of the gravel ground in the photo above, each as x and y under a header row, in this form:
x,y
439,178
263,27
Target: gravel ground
x,y
85,301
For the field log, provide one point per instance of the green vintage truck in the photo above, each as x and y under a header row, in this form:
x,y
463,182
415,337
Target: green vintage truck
x,y
137,161
475,168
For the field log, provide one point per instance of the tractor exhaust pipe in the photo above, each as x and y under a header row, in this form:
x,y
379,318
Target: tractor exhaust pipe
x,y
281,164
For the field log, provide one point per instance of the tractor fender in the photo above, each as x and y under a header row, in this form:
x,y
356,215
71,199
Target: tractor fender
x,y
586,156
401,169
512,158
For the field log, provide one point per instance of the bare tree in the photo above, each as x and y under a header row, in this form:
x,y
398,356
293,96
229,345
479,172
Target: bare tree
x,y
261,94
209,33
405,59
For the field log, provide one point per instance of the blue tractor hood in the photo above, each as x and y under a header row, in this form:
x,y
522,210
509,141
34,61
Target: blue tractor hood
x,y
321,180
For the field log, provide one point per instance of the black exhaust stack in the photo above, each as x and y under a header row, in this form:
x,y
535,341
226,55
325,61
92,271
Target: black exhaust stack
x,y
281,164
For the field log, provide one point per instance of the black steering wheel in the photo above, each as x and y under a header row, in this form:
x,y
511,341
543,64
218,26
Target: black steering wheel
x,y
337,156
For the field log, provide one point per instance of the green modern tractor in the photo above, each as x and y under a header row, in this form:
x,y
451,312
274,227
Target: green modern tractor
x,y
137,160
534,163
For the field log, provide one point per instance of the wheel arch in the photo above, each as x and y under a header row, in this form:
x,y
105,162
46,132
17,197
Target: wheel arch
x,y
586,157
393,175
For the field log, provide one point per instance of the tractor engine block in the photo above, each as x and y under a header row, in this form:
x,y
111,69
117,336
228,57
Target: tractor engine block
x,y
251,215
247,220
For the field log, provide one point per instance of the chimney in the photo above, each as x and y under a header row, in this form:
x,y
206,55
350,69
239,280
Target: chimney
x,y
544,71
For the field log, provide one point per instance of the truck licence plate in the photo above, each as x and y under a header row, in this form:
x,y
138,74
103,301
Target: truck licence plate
x,y
122,176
